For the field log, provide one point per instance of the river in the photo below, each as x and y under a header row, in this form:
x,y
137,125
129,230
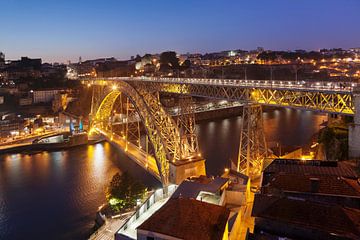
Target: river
x,y
55,195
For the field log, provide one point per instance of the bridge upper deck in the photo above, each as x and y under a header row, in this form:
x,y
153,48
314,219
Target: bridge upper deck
x,y
308,86
322,96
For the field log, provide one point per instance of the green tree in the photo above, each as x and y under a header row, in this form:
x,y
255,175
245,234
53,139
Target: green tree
x,y
124,191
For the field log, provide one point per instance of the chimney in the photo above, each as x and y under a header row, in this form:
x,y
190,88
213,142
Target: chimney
x,y
314,185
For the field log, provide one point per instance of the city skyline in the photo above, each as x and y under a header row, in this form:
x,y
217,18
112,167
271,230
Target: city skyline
x,y
58,33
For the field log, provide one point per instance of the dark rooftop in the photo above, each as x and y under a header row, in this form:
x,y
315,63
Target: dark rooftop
x,y
311,215
188,219
326,184
315,167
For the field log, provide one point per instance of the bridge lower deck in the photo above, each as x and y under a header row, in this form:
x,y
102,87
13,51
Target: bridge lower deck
x,y
143,159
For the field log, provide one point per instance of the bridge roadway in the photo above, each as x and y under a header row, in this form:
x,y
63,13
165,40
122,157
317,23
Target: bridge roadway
x,y
310,85
329,97
143,159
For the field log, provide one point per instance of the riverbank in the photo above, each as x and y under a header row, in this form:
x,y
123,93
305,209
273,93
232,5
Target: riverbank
x,y
32,148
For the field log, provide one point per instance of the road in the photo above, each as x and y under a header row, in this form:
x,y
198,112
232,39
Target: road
x,y
309,85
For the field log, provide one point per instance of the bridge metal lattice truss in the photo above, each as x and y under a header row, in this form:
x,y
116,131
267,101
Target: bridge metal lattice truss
x,y
160,128
317,100
253,148
125,121
166,124
186,126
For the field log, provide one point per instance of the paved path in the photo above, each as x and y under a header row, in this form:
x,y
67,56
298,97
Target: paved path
x,y
111,226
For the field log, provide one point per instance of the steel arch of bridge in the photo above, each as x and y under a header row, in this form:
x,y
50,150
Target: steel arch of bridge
x,y
316,100
160,127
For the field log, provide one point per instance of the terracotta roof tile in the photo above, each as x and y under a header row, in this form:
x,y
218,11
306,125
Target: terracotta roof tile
x,y
315,167
188,219
327,184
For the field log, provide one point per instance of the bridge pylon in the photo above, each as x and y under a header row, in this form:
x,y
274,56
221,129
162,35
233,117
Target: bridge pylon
x,y
186,124
253,147
191,163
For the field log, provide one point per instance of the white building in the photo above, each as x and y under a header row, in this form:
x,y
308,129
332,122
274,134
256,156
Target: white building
x,y
44,96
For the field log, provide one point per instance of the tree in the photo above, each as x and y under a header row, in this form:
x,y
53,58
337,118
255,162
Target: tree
x,y
169,58
124,191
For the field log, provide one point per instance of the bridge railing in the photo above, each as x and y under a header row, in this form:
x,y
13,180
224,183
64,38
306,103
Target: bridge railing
x,y
335,86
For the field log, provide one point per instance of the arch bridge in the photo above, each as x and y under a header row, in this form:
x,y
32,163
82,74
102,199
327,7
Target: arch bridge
x,y
328,97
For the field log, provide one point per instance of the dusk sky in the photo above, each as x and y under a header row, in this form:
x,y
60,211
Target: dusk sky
x,y
64,30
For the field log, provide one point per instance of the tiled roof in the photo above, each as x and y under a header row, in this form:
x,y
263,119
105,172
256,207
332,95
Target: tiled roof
x,y
315,167
188,219
326,184
310,215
